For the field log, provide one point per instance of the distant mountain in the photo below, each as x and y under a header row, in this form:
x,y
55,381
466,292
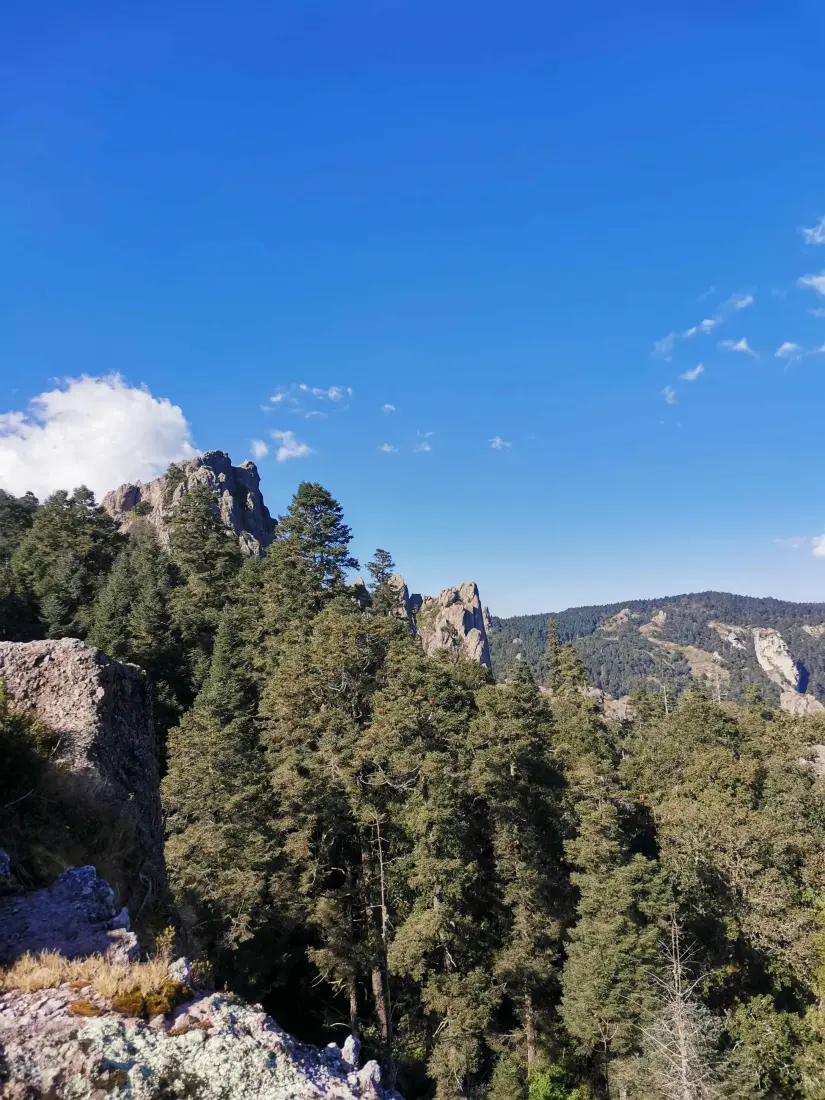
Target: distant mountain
x,y
730,642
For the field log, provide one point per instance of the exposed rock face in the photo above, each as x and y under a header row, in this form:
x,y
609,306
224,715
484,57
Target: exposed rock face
x,y
733,635
775,658
213,1048
101,710
794,703
75,916
403,609
453,620
237,495
815,631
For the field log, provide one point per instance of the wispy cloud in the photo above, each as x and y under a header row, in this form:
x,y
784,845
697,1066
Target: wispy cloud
x,y
388,408
664,346
669,395
387,448
738,345
333,393
704,327
816,234
259,448
290,447
818,311
693,374
742,301
813,282
422,447
795,542
499,444
803,542
790,351
706,294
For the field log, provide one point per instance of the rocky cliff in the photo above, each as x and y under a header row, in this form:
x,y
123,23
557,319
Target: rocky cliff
x,y
100,714
775,658
238,499
452,620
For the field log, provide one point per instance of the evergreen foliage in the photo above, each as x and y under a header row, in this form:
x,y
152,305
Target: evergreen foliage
x,y
476,877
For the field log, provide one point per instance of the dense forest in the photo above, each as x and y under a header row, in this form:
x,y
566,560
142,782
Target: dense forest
x,y
620,660
502,893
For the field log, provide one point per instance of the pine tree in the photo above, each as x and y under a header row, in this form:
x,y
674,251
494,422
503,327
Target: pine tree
x,y
132,621
386,595
315,531
315,712
565,672
513,771
208,559
64,558
443,923
222,849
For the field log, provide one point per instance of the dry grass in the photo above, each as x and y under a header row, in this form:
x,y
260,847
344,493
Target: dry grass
x,y
48,969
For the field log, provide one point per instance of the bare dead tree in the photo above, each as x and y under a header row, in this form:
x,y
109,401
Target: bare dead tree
x,y
679,1041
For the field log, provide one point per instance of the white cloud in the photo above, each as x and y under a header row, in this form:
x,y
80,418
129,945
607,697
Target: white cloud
x,y
703,328
789,351
277,398
738,345
425,435
818,312
693,374
706,294
665,345
742,301
814,282
313,414
388,408
259,448
290,447
499,444
334,393
99,432
798,542
387,448
815,235
422,447
669,395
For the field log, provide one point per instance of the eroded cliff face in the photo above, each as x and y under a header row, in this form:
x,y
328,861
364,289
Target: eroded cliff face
x,y
775,658
238,499
454,619
100,713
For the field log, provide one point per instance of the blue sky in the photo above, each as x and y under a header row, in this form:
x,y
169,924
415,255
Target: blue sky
x,y
485,215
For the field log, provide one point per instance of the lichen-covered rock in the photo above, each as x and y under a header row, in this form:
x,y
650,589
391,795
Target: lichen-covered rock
x,y
453,620
238,500
775,658
100,712
75,916
213,1048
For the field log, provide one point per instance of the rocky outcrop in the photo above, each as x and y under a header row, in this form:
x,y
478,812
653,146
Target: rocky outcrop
x,y
238,499
75,916
453,620
733,635
68,1043
100,712
775,658
794,703
815,631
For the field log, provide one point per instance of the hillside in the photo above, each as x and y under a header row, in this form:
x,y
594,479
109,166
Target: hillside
x,y
710,635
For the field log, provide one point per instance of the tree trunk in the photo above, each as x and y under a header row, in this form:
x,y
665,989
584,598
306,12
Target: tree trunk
x,y
353,1006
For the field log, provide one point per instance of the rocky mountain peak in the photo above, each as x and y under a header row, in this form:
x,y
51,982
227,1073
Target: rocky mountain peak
x,y
238,499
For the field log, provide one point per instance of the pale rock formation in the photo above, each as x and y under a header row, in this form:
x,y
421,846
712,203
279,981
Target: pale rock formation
x,y
402,609
815,631
794,703
75,916
216,1047
238,499
453,620
775,658
101,712
733,635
